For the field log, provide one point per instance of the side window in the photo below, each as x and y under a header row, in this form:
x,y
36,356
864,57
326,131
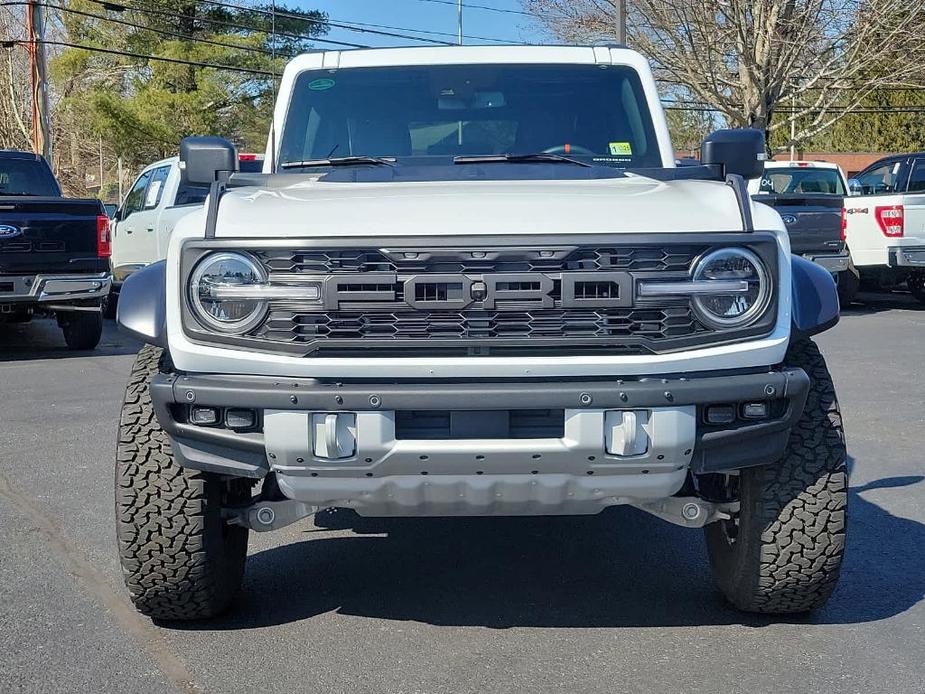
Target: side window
x,y
190,194
883,179
917,178
134,201
156,187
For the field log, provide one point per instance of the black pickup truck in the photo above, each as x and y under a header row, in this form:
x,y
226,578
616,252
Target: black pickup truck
x,y
809,196
54,251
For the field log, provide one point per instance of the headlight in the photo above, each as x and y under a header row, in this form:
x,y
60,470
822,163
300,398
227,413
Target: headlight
x,y
740,306
220,292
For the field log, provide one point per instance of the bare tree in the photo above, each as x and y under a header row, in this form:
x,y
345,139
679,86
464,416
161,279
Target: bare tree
x,y
812,61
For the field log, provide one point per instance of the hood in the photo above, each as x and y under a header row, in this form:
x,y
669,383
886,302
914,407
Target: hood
x,y
630,204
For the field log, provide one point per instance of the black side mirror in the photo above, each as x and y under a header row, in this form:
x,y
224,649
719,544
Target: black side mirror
x,y
739,151
204,160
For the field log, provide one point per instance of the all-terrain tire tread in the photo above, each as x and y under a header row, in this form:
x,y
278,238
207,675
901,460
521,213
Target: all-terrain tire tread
x,y
171,561
795,530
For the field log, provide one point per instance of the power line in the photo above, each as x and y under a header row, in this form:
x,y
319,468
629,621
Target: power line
x,y
179,61
231,25
162,32
428,31
308,20
485,8
350,26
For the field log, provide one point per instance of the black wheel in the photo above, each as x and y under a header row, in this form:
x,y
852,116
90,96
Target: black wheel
x,y
82,329
110,303
782,552
916,284
849,282
180,559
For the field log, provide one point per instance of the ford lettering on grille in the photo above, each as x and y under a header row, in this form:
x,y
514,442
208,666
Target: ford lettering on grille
x,y
494,291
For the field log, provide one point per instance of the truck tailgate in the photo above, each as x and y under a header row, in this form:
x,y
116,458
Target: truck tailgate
x,y
49,235
813,221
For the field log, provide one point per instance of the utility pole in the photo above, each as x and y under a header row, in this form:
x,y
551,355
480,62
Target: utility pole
x,y
621,20
41,125
459,22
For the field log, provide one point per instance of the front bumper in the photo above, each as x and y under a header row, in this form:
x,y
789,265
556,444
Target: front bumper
x,y
387,473
53,289
834,263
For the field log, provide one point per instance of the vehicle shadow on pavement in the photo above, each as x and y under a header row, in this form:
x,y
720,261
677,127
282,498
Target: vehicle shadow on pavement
x,y
879,302
621,568
41,339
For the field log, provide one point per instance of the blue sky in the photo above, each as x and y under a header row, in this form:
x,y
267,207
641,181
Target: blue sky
x,y
425,15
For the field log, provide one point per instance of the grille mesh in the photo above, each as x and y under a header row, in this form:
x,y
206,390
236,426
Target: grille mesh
x,y
654,258
300,327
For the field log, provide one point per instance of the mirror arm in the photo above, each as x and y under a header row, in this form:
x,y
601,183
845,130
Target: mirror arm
x,y
740,188
216,191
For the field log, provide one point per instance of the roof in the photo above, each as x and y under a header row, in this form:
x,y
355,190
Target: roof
x,y
778,164
18,154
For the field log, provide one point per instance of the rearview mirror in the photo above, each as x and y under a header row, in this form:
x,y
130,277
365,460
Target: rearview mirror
x,y
855,187
740,151
204,160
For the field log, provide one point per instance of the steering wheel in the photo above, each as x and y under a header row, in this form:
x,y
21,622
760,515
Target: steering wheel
x,y
573,149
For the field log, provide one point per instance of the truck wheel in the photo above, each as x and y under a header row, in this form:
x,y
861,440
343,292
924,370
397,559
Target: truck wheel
x,y
782,552
916,284
82,329
180,559
110,304
848,285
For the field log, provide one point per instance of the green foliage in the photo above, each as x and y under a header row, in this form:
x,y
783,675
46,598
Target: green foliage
x,y
902,131
688,129
144,106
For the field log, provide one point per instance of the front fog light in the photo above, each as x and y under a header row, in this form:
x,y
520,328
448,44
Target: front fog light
x,y
740,306
215,292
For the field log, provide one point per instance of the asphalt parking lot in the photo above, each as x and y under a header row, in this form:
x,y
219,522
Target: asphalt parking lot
x,y
619,602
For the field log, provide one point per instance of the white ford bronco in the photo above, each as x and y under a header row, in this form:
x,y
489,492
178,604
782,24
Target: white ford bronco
x,y
471,281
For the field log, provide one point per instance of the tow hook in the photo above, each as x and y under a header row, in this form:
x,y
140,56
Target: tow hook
x,y
263,516
689,511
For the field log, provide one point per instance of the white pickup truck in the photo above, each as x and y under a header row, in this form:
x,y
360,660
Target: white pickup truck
x,y
472,281
885,222
156,201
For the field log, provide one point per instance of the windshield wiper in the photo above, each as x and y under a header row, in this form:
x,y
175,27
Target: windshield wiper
x,y
518,159
338,161
23,195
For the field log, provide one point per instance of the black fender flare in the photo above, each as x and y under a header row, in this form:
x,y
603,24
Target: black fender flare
x,y
142,308
814,305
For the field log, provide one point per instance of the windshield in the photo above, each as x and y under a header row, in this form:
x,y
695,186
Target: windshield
x,y
796,180
430,114
26,177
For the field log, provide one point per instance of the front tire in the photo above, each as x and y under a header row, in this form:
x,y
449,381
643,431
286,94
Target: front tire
x,y
782,552
180,559
82,329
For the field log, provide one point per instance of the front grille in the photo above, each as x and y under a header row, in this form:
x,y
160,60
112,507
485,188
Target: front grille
x,y
410,297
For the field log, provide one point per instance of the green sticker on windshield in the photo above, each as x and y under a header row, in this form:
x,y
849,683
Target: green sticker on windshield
x,y
618,148
321,85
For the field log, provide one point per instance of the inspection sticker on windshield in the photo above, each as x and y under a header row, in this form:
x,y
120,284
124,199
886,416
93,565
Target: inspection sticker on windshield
x,y
321,85
618,148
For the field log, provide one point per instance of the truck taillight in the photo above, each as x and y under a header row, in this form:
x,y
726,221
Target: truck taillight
x,y
891,219
844,224
103,239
